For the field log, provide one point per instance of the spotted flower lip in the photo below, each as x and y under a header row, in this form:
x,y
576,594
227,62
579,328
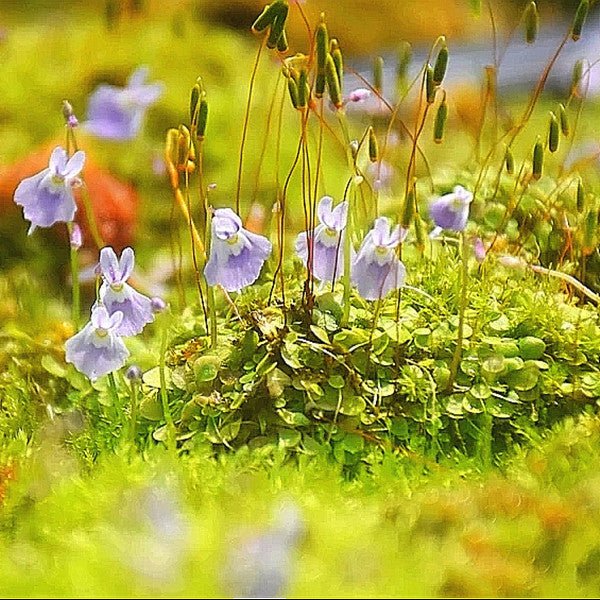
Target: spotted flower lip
x,y
451,211
47,197
117,113
97,349
118,296
236,254
328,243
377,270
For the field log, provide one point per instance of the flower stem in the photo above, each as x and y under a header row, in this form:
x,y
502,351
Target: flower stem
x,y
163,387
114,392
133,396
76,303
461,312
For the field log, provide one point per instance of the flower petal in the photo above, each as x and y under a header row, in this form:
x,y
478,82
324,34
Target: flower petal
x,y
109,265
324,210
74,165
126,263
58,160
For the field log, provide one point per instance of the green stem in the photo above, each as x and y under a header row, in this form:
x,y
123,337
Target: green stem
x,y
210,291
163,387
114,393
461,314
133,395
76,302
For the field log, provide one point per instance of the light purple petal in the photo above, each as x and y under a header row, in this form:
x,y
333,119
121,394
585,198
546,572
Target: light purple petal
x,y
74,165
374,281
138,77
381,231
58,160
95,360
115,320
100,317
324,210
109,265
451,211
126,263
44,205
108,118
340,216
136,308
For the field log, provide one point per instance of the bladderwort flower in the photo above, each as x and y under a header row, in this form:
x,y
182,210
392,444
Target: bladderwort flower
x,y
98,349
377,270
328,241
117,113
47,197
451,211
236,254
118,296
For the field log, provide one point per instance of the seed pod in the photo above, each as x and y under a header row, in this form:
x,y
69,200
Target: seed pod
x,y
430,87
333,83
420,233
293,91
564,120
202,116
338,61
276,32
322,44
186,155
553,133
440,122
576,77
404,57
509,161
303,89
538,160
532,22
373,146
282,43
320,85
378,74
579,19
194,97
408,211
590,226
441,64
265,18
580,196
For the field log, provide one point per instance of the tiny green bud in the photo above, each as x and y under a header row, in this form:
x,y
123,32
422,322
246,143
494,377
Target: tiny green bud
x,y
564,120
579,19
320,85
404,58
538,160
373,146
408,211
278,24
553,133
293,91
580,196
420,232
338,61
282,43
532,22
441,64
430,87
202,116
378,74
265,18
576,77
509,161
322,44
333,82
303,89
194,97
440,122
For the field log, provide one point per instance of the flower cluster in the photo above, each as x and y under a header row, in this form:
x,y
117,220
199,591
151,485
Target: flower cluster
x,y
120,311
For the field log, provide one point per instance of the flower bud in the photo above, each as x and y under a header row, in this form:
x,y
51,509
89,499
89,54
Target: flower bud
x,y
202,116
564,120
194,97
576,78
441,64
408,210
303,89
278,23
553,133
282,43
538,160
293,92
69,115
580,196
440,122
509,161
75,237
373,146
430,87
378,74
532,22
320,84
404,58
333,82
322,44
338,61
579,19
158,304
265,18
134,373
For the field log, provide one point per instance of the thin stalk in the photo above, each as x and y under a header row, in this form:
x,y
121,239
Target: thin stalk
x,y
75,293
163,387
114,394
210,291
133,396
461,311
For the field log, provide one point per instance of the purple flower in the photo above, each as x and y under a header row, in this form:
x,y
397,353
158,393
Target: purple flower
x,y
328,244
377,270
118,296
97,349
359,95
452,210
117,113
76,237
47,197
236,255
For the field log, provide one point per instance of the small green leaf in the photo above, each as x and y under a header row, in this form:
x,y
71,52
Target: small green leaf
x,y
352,405
206,368
53,367
320,334
336,381
289,438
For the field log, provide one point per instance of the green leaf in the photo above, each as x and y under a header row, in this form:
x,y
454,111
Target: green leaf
x,y
353,443
531,347
320,334
295,419
352,405
206,368
336,381
151,408
523,379
53,367
151,378
289,438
